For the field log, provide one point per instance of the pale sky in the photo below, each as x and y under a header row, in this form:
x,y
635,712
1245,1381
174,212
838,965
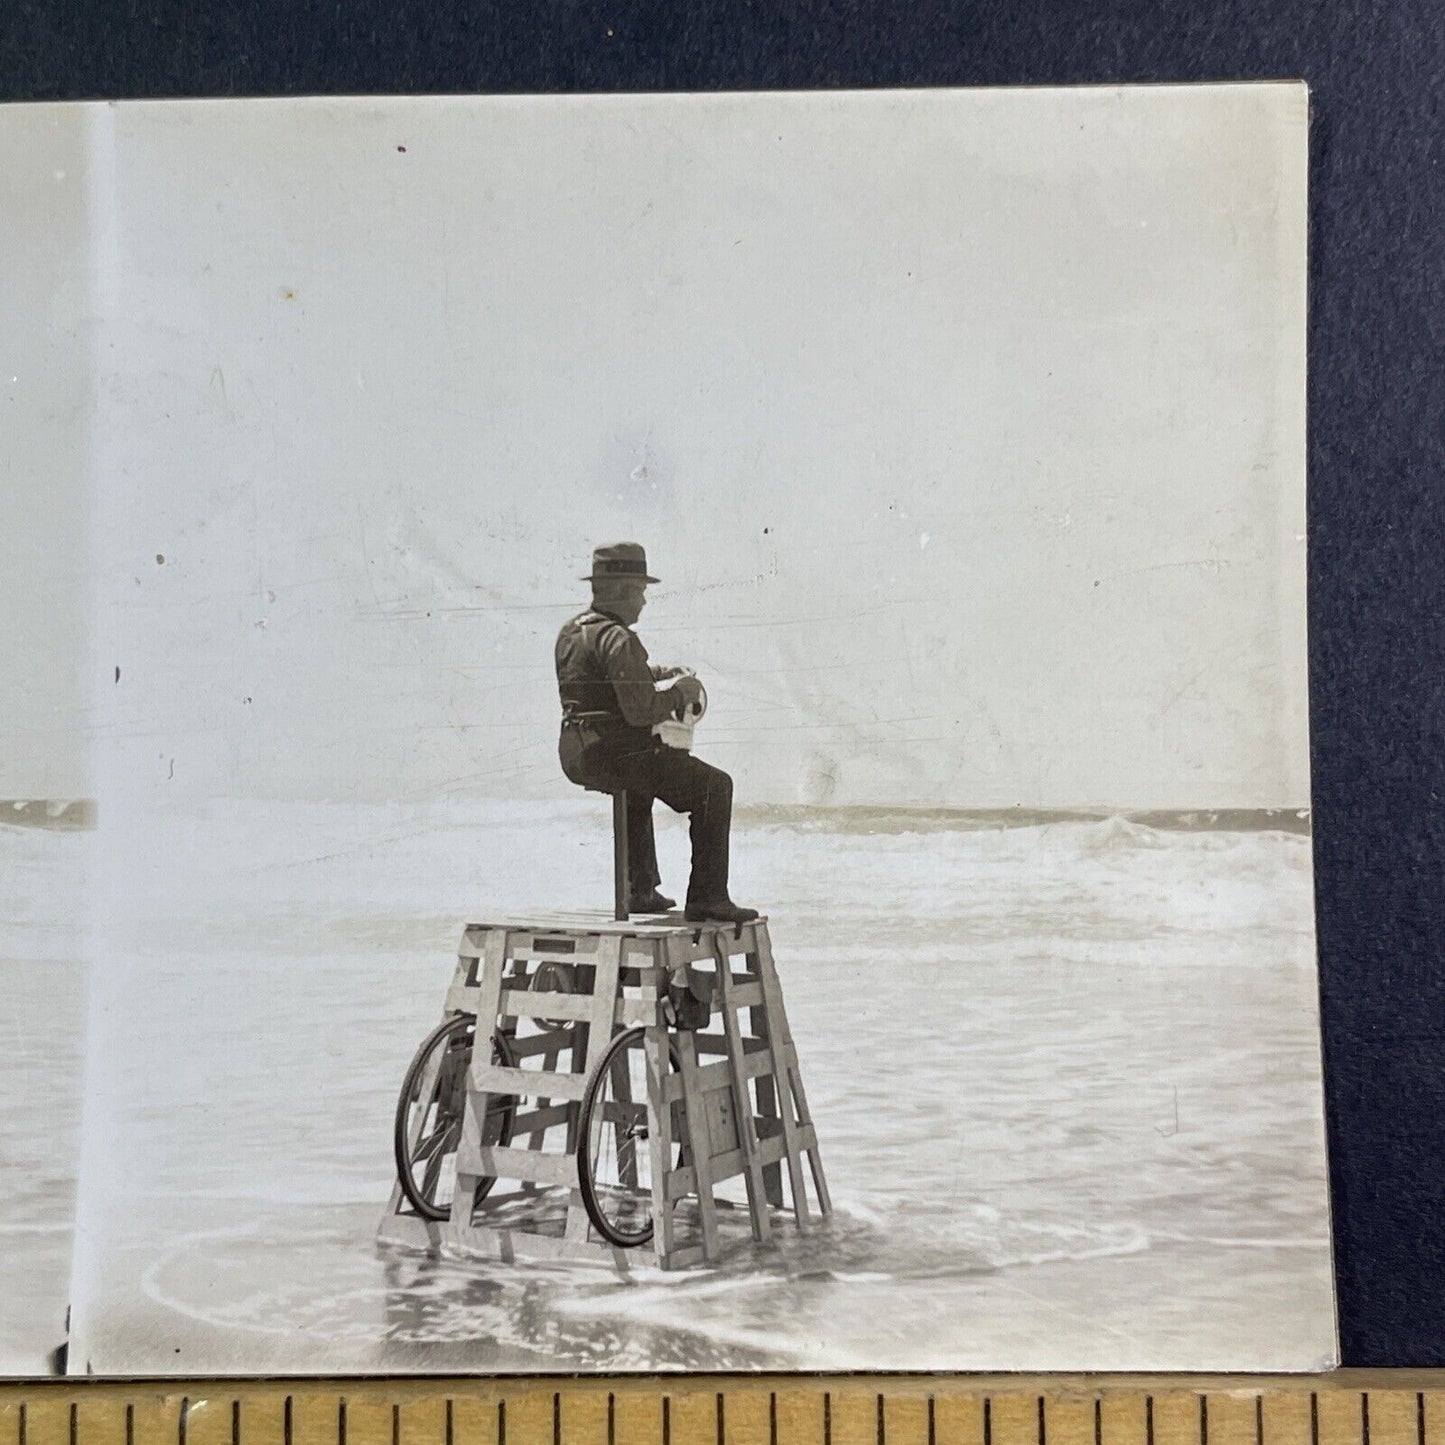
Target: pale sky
x,y
965,429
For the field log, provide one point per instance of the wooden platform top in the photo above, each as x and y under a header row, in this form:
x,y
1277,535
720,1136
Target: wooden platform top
x,y
601,921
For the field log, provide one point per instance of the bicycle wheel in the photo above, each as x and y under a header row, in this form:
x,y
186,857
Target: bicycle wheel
x,y
428,1123
614,1157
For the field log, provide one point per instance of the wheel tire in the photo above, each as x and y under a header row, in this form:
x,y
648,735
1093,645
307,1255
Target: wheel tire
x,y
456,1036
592,1097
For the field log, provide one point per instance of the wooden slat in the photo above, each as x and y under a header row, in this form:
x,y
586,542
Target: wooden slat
x,y
493,964
770,1095
524,1004
528,1164
594,1034
411,1231
533,1044
745,995
581,1050
719,1075
682,1182
790,1084
706,1078
461,999
773,1150
600,922
633,1011
767,1063
684,1256
786,1098
578,960
603,1000
578,1228
549,1067
554,946
747,1126
619,1111
698,1143
718,1044
538,1120
659,1142
529,1083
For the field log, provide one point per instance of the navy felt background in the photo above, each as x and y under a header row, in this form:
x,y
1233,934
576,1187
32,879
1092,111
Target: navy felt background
x,y
1377,428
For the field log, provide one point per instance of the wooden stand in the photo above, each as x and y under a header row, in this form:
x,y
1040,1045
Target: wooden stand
x,y
744,1110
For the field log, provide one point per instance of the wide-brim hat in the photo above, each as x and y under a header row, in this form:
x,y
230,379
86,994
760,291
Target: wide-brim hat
x,y
619,559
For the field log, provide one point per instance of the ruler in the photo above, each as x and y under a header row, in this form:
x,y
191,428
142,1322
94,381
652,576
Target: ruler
x,y
1378,1407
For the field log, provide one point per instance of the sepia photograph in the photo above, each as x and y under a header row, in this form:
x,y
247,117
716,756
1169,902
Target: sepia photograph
x,y
698,724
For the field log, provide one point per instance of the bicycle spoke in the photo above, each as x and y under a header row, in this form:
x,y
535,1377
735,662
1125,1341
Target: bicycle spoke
x,y
432,1175
433,1143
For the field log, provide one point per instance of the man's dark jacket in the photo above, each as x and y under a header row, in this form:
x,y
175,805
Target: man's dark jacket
x,y
610,701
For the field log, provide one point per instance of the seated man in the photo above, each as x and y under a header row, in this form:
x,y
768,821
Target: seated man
x,y
610,704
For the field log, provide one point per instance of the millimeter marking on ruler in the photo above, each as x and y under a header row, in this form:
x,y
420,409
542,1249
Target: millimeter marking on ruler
x,y
1353,1408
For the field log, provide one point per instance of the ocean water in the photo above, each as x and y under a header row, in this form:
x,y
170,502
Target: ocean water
x,y
1065,1078
43,918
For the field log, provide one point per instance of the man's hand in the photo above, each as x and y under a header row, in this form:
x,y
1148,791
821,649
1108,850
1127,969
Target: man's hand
x,y
688,691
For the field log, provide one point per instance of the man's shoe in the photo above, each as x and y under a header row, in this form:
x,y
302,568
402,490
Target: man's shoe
x,y
653,902
723,910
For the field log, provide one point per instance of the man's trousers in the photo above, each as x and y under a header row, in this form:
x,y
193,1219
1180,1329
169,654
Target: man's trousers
x,y
652,770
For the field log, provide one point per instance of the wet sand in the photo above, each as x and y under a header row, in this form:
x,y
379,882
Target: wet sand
x,y
42,1018
44,857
